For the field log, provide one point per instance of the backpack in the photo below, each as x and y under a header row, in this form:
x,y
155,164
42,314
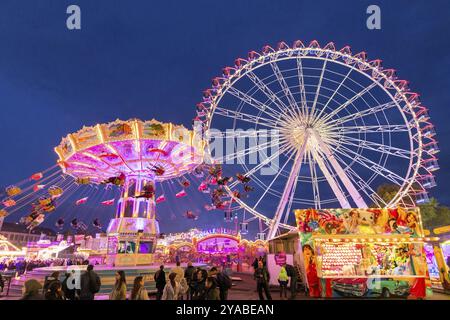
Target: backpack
x,y
224,281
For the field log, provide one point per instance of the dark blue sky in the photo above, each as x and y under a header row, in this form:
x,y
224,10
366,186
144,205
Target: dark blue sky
x,y
150,59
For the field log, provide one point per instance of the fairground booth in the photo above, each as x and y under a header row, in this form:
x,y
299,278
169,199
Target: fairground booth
x,y
218,246
8,251
438,257
363,252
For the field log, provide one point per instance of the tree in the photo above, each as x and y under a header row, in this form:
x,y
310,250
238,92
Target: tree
x,y
387,191
433,214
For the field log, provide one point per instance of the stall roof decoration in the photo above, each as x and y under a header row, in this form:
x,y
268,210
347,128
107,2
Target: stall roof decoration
x,y
130,147
194,233
363,222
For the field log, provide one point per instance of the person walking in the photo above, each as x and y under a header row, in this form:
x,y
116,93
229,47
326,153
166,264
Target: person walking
x,y
283,280
160,279
31,290
292,273
139,292
184,288
68,290
211,291
224,283
90,284
54,291
194,283
2,282
172,288
201,276
179,271
189,275
119,291
262,278
54,277
255,264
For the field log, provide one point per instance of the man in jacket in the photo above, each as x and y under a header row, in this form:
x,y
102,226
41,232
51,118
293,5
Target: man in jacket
x,y
160,279
262,278
292,273
224,283
189,276
90,284
178,270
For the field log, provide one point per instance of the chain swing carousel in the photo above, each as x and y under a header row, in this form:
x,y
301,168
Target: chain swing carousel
x,y
135,155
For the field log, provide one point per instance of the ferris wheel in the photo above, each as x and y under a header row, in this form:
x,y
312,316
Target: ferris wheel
x,y
342,126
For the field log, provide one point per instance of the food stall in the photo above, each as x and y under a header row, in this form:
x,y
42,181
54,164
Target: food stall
x,y
363,252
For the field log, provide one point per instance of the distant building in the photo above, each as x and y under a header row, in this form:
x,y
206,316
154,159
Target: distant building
x,y
18,234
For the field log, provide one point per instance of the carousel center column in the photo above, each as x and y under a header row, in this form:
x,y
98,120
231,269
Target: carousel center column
x,y
132,234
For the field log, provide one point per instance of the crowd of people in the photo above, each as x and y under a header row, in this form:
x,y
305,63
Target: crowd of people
x,y
194,283
190,283
262,277
19,266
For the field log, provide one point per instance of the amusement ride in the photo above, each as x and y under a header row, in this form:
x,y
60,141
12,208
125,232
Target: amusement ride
x,y
343,125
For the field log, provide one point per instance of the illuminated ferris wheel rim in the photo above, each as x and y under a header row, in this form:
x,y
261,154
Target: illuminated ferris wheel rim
x,y
385,79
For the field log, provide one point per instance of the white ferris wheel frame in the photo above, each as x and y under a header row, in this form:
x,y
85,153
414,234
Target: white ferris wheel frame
x,y
407,103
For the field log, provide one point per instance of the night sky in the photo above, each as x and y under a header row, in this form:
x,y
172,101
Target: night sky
x,y
152,59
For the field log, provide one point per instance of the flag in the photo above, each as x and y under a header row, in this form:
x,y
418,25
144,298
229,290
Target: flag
x,y
81,201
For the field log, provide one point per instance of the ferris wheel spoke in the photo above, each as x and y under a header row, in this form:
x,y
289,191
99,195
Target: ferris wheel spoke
x,y
337,190
340,172
295,170
364,186
349,101
314,181
273,181
332,96
364,113
316,96
287,92
254,103
261,164
378,147
301,81
286,110
242,153
243,134
372,129
291,200
245,117
268,92
369,164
